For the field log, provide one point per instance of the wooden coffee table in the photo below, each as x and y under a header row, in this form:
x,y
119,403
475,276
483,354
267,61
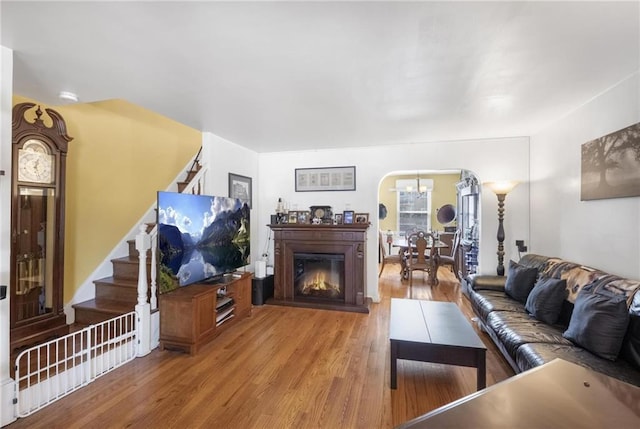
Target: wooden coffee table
x,y
436,332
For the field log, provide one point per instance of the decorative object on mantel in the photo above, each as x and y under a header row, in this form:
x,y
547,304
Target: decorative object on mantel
x,y
304,216
240,187
282,213
322,213
361,218
347,217
316,215
610,165
501,189
325,179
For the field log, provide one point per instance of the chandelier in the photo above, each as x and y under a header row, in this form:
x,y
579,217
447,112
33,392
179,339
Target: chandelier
x,y
421,190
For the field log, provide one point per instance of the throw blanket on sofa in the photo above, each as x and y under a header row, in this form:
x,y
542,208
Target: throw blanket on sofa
x,y
579,276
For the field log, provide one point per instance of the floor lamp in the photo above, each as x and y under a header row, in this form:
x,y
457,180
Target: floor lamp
x,y
501,189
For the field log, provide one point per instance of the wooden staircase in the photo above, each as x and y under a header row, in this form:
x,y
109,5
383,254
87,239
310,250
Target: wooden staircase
x,y
118,294
115,295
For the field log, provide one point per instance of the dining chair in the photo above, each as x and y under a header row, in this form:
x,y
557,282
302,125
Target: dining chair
x,y
386,258
417,258
452,259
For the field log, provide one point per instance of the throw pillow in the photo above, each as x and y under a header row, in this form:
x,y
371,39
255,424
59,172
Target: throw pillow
x,y
520,281
631,344
599,322
545,300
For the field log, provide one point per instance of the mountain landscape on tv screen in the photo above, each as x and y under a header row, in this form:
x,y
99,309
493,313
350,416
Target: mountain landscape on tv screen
x,y
200,237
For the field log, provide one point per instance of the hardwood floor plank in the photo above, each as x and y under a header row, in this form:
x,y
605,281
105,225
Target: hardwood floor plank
x,y
284,367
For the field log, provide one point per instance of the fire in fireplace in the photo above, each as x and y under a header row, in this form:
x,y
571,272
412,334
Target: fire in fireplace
x,y
319,276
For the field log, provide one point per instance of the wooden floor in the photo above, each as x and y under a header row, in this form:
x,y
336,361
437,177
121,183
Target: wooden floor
x,y
284,367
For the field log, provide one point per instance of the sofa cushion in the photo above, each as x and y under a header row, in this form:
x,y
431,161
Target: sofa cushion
x,y
631,343
535,354
599,322
545,299
520,281
534,261
487,301
514,329
630,349
486,282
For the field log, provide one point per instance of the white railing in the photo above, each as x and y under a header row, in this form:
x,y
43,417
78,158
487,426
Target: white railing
x,y
50,371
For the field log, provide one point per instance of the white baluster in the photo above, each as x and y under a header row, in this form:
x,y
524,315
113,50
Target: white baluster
x,y
154,268
143,308
142,245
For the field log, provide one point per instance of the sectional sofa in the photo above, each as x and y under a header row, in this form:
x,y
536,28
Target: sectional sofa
x,y
547,308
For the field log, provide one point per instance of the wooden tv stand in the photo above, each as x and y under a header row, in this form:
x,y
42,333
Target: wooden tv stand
x,y
188,314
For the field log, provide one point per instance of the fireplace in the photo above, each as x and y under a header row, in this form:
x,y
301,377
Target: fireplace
x,y
318,276
320,266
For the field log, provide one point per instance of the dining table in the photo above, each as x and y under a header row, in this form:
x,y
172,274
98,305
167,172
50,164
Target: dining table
x,y
402,244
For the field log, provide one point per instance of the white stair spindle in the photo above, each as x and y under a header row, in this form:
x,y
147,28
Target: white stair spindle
x,y
143,308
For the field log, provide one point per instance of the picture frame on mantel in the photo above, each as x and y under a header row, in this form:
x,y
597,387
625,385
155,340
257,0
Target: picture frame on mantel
x,y
361,218
325,179
240,187
348,217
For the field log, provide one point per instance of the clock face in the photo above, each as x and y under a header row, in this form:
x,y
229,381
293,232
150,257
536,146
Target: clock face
x,y
321,212
35,163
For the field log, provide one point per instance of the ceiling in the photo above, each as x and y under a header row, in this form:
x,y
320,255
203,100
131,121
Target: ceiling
x,y
275,76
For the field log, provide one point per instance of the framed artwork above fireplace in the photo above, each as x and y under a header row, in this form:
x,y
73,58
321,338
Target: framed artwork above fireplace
x,y
325,179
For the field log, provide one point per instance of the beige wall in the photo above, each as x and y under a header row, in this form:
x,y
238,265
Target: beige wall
x,y
120,156
444,192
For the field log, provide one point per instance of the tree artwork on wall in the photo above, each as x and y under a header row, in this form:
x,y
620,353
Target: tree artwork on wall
x,y
611,165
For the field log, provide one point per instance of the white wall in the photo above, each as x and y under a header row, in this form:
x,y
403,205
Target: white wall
x,y
492,159
225,157
6,76
604,234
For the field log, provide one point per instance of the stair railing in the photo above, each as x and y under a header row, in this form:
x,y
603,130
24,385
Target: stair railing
x,y
149,241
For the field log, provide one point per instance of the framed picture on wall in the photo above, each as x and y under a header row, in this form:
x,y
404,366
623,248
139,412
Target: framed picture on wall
x,y
240,187
325,179
610,165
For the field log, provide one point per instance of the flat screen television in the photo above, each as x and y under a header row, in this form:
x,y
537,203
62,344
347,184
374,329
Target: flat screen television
x,y
200,238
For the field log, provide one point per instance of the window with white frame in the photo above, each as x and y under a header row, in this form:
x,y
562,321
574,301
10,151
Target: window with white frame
x,y
414,204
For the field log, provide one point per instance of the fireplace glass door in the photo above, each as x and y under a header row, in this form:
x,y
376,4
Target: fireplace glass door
x,y
318,276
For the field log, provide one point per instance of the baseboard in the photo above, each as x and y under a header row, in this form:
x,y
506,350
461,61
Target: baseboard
x,y
7,407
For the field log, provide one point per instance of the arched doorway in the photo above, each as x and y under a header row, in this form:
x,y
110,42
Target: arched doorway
x,y
412,200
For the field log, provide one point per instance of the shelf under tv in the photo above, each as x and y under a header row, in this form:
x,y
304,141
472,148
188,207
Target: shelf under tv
x,y
189,315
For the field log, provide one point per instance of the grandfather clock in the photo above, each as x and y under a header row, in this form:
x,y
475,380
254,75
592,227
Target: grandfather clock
x,y
39,152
